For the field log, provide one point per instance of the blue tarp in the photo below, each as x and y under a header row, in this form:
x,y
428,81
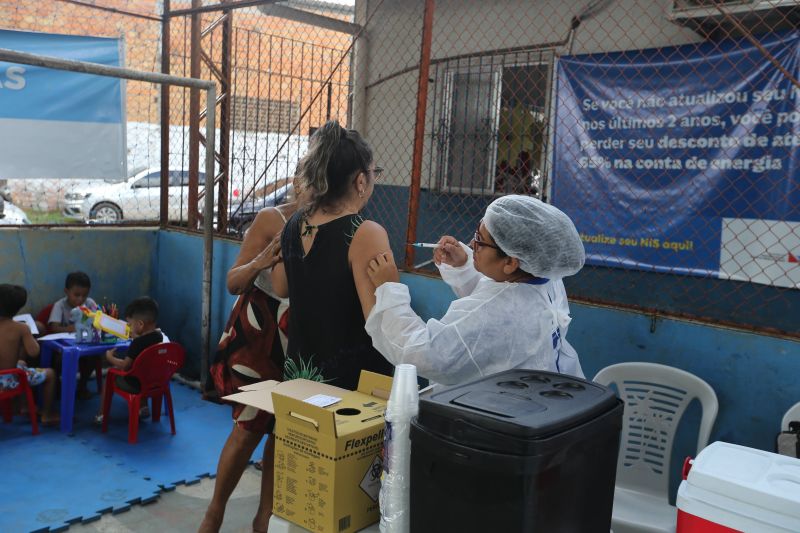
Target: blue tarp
x,y
59,124
36,93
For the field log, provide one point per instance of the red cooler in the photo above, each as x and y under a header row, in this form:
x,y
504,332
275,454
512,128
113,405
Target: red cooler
x,y
732,488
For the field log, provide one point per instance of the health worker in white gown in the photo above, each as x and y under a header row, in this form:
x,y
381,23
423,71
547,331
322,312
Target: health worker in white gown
x,y
511,310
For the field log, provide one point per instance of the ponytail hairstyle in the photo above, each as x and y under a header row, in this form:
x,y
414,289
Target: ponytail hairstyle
x,y
335,155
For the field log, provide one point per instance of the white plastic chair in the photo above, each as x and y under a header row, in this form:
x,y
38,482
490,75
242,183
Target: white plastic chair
x,y
655,397
792,414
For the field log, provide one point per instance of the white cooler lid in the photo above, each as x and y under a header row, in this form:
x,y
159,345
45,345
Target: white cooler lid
x,y
759,478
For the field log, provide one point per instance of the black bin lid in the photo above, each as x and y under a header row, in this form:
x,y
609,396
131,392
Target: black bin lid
x,y
520,404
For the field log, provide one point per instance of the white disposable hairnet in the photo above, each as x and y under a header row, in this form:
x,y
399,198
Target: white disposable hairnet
x,y
540,236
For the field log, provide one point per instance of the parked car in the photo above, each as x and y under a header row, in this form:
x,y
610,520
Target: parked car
x,y
73,200
11,215
241,215
137,198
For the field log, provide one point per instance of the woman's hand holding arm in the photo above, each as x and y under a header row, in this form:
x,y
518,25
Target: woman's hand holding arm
x,y
260,250
382,269
267,257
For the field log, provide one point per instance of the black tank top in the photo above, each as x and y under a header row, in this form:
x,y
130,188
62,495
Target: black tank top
x,y
327,339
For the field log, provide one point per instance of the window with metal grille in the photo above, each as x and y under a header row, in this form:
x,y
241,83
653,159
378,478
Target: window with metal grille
x,y
492,124
261,114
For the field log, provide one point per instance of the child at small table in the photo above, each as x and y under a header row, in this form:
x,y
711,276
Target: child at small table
x,y
76,293
16,342
142,317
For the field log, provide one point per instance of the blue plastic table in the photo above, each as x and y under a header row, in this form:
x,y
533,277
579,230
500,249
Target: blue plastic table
x,y
70,353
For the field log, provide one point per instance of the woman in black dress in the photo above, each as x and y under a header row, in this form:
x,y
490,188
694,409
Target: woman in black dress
x,y
326,247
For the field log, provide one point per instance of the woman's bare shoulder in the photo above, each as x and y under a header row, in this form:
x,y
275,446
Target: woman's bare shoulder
x,y
371,227
268,222
287,210
268,214
370,236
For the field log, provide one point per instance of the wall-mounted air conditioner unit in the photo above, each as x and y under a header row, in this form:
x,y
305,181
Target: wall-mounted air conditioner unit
x,y
719,17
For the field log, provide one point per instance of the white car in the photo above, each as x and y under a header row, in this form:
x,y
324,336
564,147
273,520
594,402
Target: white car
x,y
138,198
11,215
72,202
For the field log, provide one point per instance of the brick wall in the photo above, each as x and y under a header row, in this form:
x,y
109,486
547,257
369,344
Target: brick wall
x,y
273,59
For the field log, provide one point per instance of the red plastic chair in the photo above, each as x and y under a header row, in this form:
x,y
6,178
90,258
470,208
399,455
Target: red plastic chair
x,y
6,397
153,368
44,317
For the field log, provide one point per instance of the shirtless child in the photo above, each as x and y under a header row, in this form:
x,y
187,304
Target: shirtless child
x,y
16,341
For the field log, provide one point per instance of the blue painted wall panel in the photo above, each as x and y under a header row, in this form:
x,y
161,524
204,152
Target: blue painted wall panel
x,y
118,261
179,286
770,307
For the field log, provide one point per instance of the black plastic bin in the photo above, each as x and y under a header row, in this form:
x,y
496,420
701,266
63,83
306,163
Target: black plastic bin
x,y
522,450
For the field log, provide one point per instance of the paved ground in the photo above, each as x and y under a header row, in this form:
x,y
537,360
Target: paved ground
x,y
182,510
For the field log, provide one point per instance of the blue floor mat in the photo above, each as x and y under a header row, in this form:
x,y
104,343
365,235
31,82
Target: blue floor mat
x,y
56,479
186,457
52,480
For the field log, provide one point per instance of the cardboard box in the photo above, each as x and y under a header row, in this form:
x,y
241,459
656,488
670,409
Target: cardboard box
x,y
327,456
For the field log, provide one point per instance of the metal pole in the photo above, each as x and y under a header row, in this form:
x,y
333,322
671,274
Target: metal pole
x,y
194,124
208,234
219,7
112,10
419,131
165,49
226,89
24,58
330,96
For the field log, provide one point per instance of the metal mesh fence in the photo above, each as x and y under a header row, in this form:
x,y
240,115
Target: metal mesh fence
x,y
278,79
284,79
136,24
665,129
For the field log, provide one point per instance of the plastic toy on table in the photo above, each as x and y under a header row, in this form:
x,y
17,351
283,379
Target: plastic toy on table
x,y
84,332
97,326
112,326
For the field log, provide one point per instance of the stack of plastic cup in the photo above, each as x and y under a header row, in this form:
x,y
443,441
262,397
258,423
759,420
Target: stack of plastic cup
x,y
396,483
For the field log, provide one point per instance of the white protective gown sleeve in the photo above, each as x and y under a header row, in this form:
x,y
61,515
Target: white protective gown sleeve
x,y
493,327
461,279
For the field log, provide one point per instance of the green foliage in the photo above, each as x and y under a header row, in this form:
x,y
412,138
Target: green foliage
x,y
48,217
305,370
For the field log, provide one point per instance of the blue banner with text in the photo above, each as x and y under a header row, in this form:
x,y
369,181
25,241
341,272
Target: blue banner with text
x,y
657,151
